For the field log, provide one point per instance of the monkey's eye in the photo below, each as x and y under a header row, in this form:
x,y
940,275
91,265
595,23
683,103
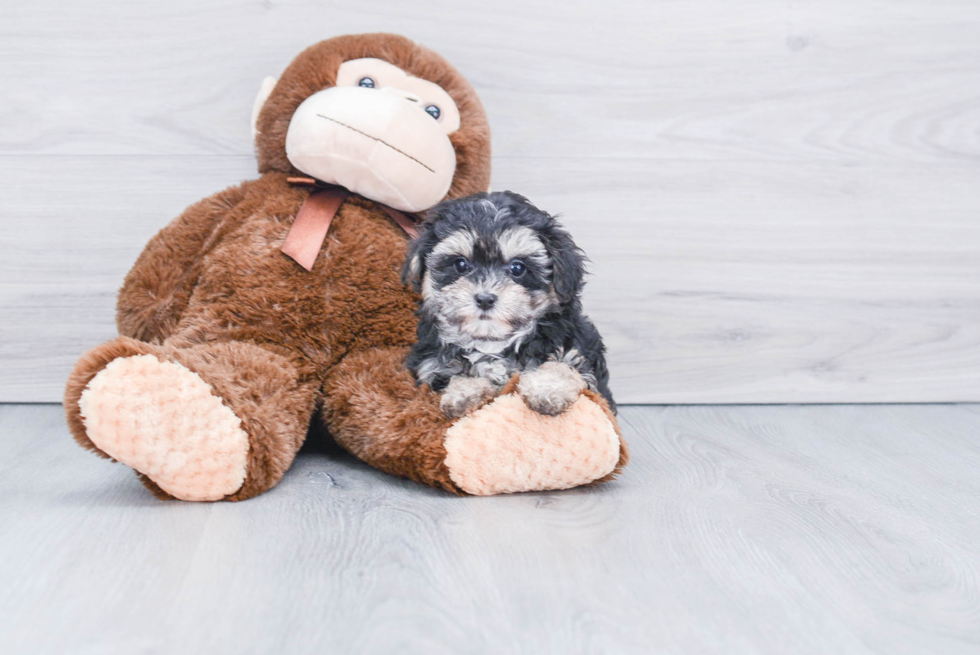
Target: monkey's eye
x,y
517,268
462,265
433,111
366,82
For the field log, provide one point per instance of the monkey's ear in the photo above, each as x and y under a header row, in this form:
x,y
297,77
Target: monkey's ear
x,y
268,84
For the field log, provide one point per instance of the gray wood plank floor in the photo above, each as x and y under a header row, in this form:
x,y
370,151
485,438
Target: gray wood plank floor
x,y
743,529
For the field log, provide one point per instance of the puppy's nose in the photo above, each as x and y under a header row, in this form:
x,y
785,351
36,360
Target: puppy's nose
x,y
485,300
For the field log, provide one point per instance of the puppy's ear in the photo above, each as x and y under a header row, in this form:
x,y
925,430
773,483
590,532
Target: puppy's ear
x,y
567,261
418,250
414,266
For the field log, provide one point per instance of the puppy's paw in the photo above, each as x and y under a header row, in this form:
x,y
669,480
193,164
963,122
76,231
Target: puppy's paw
x,y
551,388
465,393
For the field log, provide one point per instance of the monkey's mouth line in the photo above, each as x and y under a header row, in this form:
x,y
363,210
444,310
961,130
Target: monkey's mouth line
x,y
384,143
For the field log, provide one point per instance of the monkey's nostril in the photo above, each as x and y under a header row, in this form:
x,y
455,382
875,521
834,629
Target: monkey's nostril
x,y
485,300
408,95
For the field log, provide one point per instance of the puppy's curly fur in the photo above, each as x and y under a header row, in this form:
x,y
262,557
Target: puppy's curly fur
x,y
501,285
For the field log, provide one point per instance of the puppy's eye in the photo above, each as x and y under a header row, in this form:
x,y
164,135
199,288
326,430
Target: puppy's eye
x,y
517,268
461,265
433,111
366,82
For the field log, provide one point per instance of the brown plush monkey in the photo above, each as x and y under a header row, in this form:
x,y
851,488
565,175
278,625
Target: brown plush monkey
x,y
231,348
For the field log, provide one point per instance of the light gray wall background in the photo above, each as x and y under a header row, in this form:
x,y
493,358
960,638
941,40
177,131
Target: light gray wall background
x,y
781,198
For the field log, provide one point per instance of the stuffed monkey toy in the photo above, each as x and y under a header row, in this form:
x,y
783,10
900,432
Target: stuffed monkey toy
x,y
277,303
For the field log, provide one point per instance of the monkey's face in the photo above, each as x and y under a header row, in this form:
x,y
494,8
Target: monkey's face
x,y
378,114
379,132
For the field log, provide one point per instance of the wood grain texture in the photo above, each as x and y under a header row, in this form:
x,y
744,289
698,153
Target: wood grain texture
x,y
843,529
637,78
780,198
738,283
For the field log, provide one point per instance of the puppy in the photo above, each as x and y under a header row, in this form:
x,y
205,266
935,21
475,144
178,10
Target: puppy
x,y
501,284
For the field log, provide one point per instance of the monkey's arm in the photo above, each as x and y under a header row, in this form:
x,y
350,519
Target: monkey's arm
x,y
157,289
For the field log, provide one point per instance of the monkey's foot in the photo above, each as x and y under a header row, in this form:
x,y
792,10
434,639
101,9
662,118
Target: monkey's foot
x,y
505,447
163,420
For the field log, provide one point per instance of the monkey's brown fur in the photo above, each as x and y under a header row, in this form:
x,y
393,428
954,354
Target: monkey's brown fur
x,y
277,343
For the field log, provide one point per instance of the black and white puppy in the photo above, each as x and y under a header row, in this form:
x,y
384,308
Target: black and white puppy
x,y
501,284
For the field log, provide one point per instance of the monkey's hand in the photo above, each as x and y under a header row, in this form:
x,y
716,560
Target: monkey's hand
x,y
551,388
464,393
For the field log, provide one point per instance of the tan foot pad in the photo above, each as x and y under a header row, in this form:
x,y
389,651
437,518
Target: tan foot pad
x,y
505,447
162,419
